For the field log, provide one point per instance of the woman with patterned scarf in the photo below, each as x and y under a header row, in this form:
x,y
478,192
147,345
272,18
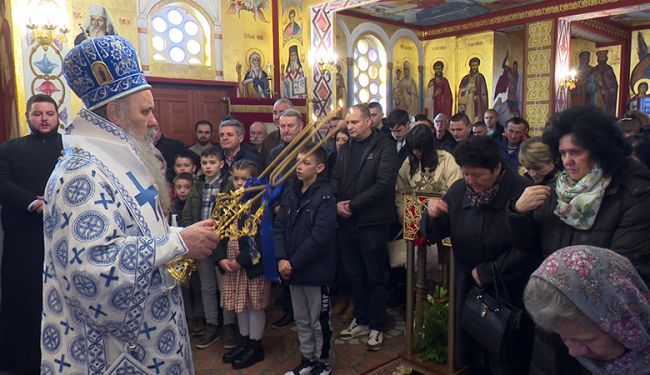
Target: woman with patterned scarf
x,y
598,304
602,198
473,213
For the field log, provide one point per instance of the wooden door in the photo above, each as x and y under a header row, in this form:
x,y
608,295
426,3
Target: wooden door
x,y
179,104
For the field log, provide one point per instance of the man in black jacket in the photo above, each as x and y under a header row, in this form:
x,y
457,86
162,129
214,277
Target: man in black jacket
x,y
231,135
25,166
364,176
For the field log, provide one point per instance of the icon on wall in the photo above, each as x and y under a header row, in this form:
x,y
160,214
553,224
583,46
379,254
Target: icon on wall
x,y
99,23
254,6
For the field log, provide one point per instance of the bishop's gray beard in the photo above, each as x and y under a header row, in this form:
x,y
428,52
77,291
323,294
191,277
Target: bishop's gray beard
x,y
154,166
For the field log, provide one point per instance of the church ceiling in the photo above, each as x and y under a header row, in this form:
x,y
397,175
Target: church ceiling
x,y
425,13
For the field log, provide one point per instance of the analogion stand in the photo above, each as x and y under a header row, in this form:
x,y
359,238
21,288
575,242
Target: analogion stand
x,y
414,202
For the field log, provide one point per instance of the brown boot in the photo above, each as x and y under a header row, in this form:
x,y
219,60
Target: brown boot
x,y
341,304
348,315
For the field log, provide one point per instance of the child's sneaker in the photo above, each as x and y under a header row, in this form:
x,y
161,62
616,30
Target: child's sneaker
x,y
322,369
304,368
353,330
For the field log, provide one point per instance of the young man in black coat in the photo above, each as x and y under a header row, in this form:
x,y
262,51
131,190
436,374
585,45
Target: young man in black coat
x,y
364,176
25,166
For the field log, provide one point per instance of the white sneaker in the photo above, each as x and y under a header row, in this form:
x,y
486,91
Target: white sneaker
x,y
304,368
375,340
353,330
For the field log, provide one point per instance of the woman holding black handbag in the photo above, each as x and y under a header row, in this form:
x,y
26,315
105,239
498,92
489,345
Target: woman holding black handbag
x,y
473,213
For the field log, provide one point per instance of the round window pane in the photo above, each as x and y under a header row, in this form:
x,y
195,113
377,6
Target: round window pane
x,y
175,17
374,88
356,71
159,24
193,47
373,72
363,80
382,74
191,28
372,55
356,86
177,54
362,46
362,62
194,61
176,35
158,43
382,89
363,96
158,57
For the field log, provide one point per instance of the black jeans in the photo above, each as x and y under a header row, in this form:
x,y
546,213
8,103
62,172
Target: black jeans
x,y
364,251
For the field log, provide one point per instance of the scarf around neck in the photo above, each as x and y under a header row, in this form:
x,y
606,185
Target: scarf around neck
x,y
578,202
482,199
607,289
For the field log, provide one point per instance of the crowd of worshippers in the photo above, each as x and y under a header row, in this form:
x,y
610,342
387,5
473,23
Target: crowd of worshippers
x,y
559,218
583,182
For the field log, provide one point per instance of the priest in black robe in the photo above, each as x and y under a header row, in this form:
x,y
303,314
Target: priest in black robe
x,y
25,166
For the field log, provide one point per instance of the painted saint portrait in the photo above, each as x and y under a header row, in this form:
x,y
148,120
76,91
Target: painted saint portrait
x,y
99,23
293,81
438,97
255,83
292,28
473,95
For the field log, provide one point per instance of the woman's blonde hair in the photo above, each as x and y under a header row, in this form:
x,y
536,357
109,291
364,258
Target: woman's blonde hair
x,y
534,153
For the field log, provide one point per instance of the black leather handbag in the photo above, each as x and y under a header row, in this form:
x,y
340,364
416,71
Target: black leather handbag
x,y
491,320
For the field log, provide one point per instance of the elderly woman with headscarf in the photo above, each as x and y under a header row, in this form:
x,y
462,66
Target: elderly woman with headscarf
x,y
602,198
473,213
598,304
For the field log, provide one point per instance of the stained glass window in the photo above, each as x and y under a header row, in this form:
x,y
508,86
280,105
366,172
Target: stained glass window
x,y
180,35
369,71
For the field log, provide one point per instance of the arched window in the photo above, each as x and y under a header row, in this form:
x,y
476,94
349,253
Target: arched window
x,y
180,35
369,71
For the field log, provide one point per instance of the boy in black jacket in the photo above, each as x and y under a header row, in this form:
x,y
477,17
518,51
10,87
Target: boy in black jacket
x,y
304,232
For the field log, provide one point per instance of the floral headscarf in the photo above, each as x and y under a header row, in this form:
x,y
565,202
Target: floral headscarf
x,y
609,292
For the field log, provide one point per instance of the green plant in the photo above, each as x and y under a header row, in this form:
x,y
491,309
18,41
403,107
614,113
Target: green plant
x,y
432,340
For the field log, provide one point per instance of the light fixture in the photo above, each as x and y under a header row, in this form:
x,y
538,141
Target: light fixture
x,y
568,80
326,60
43,22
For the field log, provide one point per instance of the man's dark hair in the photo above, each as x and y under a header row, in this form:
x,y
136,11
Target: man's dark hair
x,y
376,105
421,138
41,98
460,117
397,117
212,151
319,153
594,130
201,122
184,176
518,121
336,118
479,152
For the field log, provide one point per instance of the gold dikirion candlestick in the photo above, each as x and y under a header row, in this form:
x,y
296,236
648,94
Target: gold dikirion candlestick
x,y
230,206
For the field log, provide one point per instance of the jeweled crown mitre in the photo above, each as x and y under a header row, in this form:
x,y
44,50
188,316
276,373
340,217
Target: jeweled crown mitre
x,y
103,69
